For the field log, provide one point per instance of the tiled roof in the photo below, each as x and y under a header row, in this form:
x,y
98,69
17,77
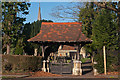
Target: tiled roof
x,y
60,32
66,47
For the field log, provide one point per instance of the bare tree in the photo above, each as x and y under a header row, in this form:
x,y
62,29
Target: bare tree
x,y
67,12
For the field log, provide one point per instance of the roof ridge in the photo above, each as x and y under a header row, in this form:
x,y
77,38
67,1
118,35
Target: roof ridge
x,y
61,23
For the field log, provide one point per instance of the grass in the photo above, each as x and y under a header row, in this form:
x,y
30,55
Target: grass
x,y
111,77
6,77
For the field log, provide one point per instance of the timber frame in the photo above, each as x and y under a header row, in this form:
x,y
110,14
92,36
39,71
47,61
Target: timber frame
x,y
67,33
44,45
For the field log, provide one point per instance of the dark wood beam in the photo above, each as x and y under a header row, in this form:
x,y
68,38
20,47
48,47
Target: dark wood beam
x,y
78,51
60,43
43,51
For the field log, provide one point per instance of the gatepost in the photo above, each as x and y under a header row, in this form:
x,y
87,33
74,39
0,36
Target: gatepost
x,y
77,68
44,68
48,69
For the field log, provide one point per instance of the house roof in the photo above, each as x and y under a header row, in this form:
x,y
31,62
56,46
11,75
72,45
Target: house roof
x,y
66,47
60,32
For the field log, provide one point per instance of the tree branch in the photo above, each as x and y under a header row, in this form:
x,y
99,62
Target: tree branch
x,y
105,6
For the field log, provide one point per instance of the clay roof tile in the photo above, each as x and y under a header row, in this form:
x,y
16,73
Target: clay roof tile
x,y
60,32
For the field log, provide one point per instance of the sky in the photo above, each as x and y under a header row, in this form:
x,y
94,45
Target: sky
x,y
46,10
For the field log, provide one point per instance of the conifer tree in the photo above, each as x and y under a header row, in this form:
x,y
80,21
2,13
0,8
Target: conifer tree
x,y
29,31
105,30
12,23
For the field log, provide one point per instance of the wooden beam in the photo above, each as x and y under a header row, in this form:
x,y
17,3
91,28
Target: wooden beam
x,y
78,51
43,51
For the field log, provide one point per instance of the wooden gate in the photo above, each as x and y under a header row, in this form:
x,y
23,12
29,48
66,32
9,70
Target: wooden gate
x,y
61,68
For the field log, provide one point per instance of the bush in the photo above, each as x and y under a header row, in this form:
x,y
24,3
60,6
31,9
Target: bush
x,y
111,61
18,63
19,50
8,67
84,59
100,65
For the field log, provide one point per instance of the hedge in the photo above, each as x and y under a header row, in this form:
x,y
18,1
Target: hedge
x,y
22,63
111,61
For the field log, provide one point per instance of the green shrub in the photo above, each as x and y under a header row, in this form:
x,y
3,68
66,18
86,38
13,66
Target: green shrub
x,y
19,50
8,67
111,61
84,59
100,65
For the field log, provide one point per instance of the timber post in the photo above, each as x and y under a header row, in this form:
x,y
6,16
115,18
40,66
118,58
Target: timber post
x,y
78,51
43,51
104,60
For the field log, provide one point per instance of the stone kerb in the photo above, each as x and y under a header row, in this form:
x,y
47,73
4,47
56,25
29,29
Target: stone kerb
x,y
77,68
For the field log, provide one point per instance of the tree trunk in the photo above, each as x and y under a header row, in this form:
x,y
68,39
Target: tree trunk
x,y
118,15
8,49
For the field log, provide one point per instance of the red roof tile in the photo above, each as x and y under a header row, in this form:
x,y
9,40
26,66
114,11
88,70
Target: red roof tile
x,y
60,32
66,47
